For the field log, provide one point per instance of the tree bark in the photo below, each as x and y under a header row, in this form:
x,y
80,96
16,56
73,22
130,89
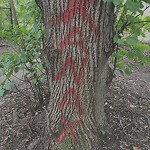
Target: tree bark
x,y
77,45
13,12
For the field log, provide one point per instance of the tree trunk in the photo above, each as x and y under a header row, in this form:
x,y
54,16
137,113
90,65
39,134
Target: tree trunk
x,y
77,45
13,12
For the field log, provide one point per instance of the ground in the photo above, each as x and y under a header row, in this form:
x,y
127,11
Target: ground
x,y
127,114
127,109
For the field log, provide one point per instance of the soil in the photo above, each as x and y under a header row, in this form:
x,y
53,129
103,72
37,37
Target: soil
x,y
127,108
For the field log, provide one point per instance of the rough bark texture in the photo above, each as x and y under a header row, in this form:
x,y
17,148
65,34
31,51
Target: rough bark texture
x,y
13,12
78,41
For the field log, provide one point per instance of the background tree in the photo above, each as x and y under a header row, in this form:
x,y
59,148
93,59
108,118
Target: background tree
x,y
13,12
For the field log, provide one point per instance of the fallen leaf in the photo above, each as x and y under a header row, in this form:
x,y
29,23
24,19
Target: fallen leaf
x,y
135,148
132,106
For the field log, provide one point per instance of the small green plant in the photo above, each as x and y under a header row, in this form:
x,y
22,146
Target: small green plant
x,y
27,55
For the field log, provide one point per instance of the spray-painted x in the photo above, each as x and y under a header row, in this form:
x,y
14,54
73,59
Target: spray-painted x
x,y
69,129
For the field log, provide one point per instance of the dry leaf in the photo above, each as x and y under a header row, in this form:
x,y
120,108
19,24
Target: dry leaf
x,y
132,106
135,148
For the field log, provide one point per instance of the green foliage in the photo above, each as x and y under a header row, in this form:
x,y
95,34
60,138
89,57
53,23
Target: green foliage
x,y
5,18
26,57
132,5
27,14
130,24
116,2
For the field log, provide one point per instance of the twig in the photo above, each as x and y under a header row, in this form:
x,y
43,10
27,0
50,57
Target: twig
x,y
120,122
17,88
143,11
138,22
18,78
137,30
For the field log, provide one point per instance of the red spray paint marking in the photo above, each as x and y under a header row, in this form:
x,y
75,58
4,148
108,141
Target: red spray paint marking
x,y
69,129
68,41
81,8
63,101
76,7
70,64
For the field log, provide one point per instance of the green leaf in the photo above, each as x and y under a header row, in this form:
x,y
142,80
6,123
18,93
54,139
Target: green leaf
x,y
23,57
12,83
127,71
43,78
2,72
7,65
116,38
2,84
130,55
107,0
2,92
142,46
120,64
132,41
38,34
17,69
117,2
16,62
9,74
6,92
24,30
7,86
133,6
34,81
120,41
